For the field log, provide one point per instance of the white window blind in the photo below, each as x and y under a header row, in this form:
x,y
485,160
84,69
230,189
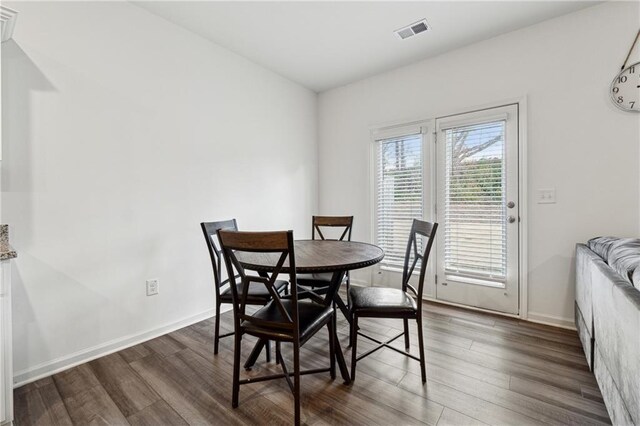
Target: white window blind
x,y
475,211
399,194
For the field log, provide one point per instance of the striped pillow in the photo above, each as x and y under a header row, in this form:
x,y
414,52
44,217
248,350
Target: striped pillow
x,y
622,255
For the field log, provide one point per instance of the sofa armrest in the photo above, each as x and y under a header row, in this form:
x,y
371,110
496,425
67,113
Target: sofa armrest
x,y
585,260
616,316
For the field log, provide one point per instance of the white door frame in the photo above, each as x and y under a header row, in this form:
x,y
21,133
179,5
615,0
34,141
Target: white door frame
x,y
480,291
521,102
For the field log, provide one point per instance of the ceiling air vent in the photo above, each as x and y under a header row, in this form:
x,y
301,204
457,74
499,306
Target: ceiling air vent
x,y
413,29
7,22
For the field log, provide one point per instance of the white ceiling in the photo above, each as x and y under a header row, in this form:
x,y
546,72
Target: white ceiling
x,y
322,45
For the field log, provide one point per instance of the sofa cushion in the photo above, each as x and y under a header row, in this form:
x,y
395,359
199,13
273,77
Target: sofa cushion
x,y
621,254
624,257
602,245
635,278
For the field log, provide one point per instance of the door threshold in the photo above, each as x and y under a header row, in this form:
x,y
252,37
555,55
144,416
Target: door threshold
x,y
471,308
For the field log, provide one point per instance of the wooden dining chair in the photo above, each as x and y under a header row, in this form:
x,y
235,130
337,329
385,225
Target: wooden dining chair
x,y
320,282
380,302
256,295
283,319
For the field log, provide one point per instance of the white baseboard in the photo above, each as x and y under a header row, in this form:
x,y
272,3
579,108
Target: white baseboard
x,y
48,368
553,320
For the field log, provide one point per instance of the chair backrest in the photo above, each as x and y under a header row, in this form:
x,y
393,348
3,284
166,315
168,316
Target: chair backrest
x,y
275,247
210,230
419,229
345,222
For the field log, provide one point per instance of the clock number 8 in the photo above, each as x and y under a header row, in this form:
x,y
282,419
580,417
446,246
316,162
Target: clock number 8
x,y
620,100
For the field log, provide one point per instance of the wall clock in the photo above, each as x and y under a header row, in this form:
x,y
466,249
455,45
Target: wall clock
x,y
625,88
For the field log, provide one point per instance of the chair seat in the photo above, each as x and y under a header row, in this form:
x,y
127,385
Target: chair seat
x,y
380,301
311,316
315,280
258,293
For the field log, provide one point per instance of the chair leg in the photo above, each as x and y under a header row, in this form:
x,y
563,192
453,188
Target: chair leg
x,y
296,384
348,292
254,355
236,369
406,333
354,345
421,344
351,315
278,353
332,346
267,350
216,337
350,318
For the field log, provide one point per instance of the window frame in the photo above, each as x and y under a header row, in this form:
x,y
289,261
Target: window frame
x,y
451,125
424,128
483,116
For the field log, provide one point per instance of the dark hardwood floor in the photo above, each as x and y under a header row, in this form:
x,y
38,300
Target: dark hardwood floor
x,y
481,369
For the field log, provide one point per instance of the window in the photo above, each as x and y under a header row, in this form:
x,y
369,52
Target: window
x,y
475,213
399,193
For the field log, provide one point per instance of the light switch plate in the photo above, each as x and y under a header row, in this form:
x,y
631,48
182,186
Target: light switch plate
x,y
547,196
153,287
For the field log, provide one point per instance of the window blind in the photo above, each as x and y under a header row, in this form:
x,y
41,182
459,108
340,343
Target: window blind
x,y
475,211
399,194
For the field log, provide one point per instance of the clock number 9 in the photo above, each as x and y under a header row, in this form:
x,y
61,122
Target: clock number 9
x,y
616,89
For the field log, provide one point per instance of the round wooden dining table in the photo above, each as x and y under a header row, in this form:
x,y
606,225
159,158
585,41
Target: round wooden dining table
x,y
317,256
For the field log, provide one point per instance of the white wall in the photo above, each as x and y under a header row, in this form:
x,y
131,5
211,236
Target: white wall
x,y
121,133
578,142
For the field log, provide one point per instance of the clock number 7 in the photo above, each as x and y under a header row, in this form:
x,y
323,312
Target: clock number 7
x,y
632,103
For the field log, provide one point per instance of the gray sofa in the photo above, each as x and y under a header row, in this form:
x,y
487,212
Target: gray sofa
x,y
607,317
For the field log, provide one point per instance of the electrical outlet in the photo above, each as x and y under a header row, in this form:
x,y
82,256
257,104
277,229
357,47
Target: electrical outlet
x,y
547,196
153,287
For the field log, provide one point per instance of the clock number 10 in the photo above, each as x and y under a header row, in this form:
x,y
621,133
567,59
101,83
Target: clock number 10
x,y
624,91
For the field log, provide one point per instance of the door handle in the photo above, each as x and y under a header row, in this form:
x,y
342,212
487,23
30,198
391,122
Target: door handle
x,y
511,204
511,219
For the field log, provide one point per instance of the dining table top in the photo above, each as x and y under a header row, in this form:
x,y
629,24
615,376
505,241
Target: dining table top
x,y
313,256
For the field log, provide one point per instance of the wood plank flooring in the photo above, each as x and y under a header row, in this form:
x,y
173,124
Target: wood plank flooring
x,y
481,369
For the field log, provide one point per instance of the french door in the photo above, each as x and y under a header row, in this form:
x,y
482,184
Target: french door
x,y
477,208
